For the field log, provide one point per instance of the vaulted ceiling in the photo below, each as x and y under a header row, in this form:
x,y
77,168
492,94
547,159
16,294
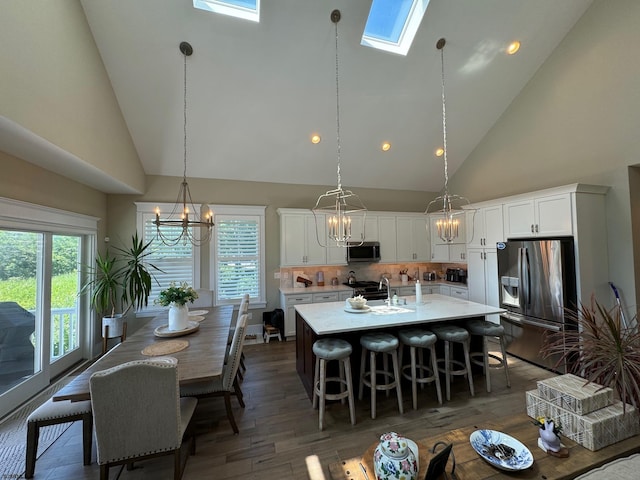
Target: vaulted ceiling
x,y
256,92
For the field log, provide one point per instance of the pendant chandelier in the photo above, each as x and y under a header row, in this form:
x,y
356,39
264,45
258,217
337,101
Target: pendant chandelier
x,y
184,223
447,208
336,207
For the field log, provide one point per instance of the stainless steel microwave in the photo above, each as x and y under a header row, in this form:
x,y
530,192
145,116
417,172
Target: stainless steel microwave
x,y
367,252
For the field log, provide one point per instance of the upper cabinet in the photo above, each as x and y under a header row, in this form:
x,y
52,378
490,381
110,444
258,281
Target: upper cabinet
x,y
485,226
412,239
298,240
539,216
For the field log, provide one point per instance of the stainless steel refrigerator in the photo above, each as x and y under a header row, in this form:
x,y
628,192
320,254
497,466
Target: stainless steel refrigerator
x,y
537,281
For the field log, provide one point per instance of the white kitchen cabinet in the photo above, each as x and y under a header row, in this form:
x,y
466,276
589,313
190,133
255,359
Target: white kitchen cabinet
x,y
288,302
299,241
482,278
459,292
539,216
485,226
370,229
441,251
412,239
387,237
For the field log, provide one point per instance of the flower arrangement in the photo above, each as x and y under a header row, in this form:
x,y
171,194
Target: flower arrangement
x,y
557,426
178,295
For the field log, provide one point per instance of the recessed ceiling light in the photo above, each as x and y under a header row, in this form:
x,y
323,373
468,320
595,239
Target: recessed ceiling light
x,y
439,151
315,139
513,47
386,146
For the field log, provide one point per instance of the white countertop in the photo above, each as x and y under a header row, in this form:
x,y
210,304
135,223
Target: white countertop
x,y
331,318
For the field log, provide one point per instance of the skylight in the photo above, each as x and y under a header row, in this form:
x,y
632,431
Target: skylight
x,y
392,24
245,9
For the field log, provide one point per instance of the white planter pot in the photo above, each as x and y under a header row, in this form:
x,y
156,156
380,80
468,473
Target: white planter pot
x,y
115,326
178,317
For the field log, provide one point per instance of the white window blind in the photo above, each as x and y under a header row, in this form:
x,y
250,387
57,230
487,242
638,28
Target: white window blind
x,y
175,262
237,254
237,257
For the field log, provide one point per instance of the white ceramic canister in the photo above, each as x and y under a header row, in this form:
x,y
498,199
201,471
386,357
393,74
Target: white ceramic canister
x,y
393,459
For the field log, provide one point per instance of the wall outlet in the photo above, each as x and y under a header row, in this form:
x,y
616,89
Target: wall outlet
x,y
286,275
276,275
249,316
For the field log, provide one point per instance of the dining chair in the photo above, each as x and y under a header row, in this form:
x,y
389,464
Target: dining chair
x,y
138,414
54,413
227,384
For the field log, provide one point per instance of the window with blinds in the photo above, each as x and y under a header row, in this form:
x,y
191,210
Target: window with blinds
x,y
176,262
238,257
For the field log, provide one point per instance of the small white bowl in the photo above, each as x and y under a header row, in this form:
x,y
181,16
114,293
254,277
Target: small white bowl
x,y
357,303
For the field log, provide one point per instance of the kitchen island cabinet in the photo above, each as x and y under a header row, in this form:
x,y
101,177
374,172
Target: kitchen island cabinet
x,y
317,320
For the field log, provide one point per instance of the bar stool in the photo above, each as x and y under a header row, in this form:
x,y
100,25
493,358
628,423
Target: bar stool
x,y
325,350
375,343
451,333
488,329
418,338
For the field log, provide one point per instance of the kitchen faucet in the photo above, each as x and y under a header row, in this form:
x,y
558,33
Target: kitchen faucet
x,y
385,279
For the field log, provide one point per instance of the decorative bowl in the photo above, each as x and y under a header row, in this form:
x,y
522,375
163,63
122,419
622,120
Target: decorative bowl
x,y
501,450
357,302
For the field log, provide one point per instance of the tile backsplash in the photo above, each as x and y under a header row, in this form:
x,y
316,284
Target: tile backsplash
x,y
369,271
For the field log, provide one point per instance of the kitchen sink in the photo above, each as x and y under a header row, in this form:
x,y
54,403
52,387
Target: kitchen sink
x,y
389,309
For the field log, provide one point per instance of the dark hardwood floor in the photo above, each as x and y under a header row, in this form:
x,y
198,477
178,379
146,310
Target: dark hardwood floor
x,y
279,433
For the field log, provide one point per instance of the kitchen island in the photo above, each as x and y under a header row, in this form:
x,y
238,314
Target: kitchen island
x,y
317,320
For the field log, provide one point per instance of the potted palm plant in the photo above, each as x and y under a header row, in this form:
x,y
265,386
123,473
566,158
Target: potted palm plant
x,y
120,282
603,350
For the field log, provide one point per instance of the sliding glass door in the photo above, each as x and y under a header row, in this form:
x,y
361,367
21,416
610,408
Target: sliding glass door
x,y
41,332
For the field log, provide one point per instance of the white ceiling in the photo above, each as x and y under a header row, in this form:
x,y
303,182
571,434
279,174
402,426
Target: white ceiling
x,y
257,91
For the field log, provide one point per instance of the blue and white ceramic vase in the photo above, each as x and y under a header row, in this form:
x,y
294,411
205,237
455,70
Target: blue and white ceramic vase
x,y
394,459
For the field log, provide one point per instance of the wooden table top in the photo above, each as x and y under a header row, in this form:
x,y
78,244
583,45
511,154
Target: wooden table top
x,y
202,359
470,466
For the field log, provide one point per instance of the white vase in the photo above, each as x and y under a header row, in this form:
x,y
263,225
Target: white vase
x,y
178,317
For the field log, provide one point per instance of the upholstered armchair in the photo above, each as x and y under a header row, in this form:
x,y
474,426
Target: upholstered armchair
x,y
139,414
226,385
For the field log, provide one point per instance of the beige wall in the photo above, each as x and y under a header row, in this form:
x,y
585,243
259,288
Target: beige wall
x,y
122,219
576,121
53,83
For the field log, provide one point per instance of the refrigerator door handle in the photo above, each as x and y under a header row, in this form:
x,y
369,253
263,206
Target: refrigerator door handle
x,y
519,320
522,294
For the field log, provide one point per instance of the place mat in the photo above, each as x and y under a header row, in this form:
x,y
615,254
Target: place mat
x,y
164,348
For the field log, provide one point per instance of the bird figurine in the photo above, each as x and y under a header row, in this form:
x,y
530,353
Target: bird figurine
x,y
550,440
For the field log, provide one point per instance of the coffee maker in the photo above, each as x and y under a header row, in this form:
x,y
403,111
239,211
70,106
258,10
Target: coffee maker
x,y
457,275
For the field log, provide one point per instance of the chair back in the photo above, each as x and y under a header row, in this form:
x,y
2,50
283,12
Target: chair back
x,y
136,409
235,351
244,305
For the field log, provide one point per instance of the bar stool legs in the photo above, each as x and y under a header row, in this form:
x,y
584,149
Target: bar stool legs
x,y
374,343
325,350
488,329
419,339
448,334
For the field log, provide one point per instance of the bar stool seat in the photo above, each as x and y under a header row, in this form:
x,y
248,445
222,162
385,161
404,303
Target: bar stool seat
x,y
449,333
54,413
384,343
419,339
325,350
488,330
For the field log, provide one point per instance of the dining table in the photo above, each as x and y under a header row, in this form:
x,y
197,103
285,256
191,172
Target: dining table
x,y
201,355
